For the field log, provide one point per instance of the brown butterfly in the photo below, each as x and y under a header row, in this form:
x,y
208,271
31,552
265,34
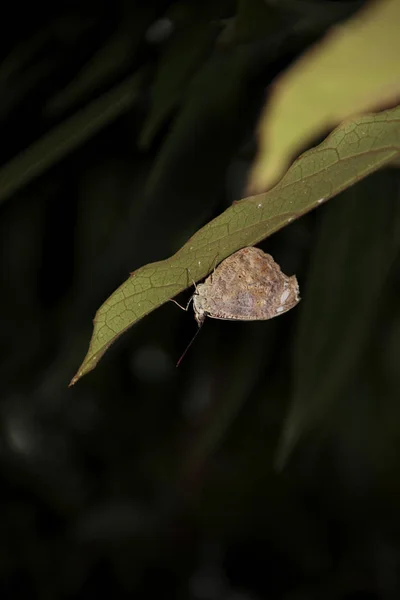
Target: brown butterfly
x,y
247,286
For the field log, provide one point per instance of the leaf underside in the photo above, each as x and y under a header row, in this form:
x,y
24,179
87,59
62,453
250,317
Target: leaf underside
x,y
355,149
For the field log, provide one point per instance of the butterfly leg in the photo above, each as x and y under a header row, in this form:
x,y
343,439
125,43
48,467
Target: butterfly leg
x,y
194,283
180,306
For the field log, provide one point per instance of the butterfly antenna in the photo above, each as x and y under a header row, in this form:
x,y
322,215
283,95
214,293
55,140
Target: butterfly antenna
x,y
188,346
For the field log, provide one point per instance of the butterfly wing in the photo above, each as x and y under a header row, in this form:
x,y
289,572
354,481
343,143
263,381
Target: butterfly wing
x,y
248,286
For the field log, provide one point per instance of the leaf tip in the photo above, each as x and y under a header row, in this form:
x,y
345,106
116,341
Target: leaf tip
x,y
84,369
88,365
75,378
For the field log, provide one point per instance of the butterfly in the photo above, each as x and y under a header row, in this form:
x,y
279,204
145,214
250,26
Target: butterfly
x,y
247,286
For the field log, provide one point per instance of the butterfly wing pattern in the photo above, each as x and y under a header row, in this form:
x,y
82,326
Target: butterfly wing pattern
x,y
247,286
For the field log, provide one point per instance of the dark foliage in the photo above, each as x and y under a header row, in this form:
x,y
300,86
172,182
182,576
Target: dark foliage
x,y
147,481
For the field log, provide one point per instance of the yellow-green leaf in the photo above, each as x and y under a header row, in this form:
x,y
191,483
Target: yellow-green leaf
x,y
351,152
356,68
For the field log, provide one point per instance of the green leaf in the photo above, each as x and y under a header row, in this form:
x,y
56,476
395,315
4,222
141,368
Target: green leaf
x,y
185,51
67,136
110,60
210,436
255,19
351,152
355,69
358,241
19,58
213,102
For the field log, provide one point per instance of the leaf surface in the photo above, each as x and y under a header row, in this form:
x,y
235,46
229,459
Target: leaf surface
x,y
350,153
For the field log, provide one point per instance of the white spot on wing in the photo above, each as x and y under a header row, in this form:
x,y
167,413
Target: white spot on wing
x,y
280,309
285,296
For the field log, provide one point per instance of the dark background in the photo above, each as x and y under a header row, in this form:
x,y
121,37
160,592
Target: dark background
x,y
267,465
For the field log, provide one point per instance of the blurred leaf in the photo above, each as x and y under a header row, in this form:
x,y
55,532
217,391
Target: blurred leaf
x,y
67,136
103,198
20,56
185,51
228,393
355,69
109,61
319,174
212,104
358,240
254,19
